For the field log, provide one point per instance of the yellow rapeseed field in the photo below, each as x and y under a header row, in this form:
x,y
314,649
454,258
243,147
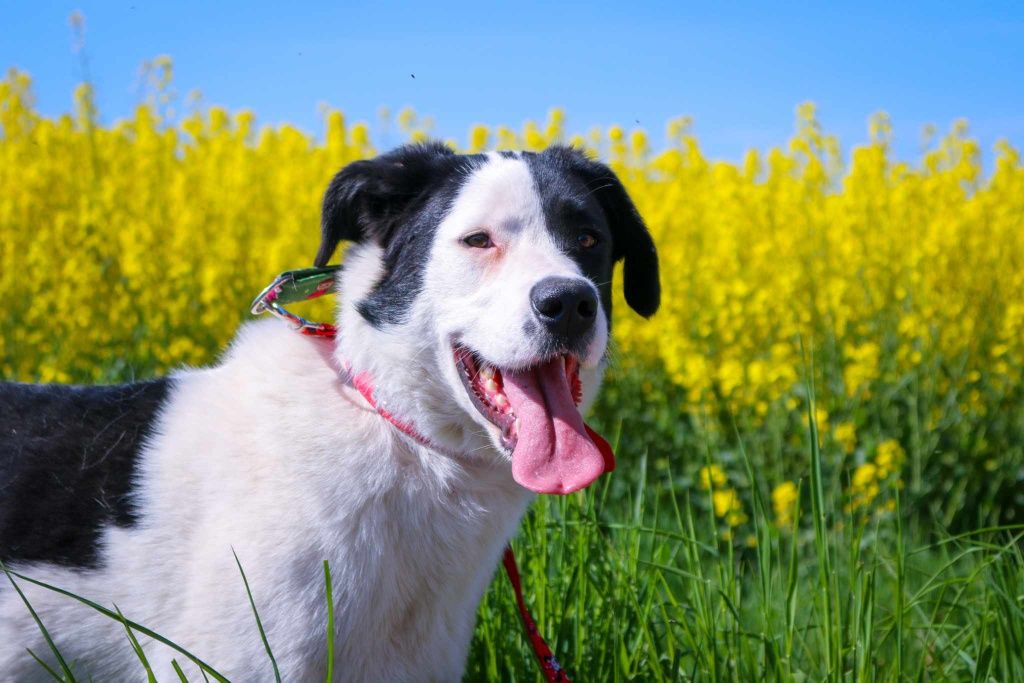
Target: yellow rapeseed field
x,y
132,248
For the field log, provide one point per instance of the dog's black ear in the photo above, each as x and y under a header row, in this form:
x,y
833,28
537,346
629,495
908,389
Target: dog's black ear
x,y
367,199
630,239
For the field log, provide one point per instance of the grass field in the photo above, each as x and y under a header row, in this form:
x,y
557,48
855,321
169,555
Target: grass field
x,y
820,436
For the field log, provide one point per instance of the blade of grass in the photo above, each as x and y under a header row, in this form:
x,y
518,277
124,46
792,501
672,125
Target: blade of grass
x,y
901,580
328,589
177,670
204,667
136,646
259,622
821,541
792,578
763,557
56,676
68,675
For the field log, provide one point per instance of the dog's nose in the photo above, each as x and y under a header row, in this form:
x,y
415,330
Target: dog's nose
x,y
565,306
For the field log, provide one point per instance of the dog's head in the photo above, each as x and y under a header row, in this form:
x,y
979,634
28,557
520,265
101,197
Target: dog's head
x,y
479,296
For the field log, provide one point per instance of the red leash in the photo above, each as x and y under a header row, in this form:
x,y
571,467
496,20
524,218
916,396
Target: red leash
x,y
314,282
548,664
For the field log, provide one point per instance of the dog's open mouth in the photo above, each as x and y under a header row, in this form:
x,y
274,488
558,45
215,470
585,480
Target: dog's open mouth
x,y
535,410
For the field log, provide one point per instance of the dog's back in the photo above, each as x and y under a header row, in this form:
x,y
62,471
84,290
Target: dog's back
x,y
67,459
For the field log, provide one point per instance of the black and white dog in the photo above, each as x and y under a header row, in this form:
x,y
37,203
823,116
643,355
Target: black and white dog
x,y
477,296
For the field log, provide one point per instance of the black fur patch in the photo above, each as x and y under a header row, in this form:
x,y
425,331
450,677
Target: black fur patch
x,y
68,456
406,254
397,200
571,208
578,193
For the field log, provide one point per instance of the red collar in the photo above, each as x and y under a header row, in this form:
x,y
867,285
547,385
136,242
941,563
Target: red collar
x,y
364,385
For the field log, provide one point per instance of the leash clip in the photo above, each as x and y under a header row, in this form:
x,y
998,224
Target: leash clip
x,y
293,286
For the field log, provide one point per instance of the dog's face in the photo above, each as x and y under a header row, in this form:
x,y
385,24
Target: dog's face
x,y
501,266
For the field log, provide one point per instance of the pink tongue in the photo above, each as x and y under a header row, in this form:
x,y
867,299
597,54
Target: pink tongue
x,y
554,452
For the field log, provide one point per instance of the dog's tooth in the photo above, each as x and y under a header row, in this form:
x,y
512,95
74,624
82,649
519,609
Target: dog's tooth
x,y
491,386
486,371
500,401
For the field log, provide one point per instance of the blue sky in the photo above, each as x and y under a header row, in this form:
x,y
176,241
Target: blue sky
x,y
739,69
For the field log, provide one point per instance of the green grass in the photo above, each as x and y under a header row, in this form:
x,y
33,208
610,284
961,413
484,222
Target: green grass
x,y
636,578
637,583
642,586
67,673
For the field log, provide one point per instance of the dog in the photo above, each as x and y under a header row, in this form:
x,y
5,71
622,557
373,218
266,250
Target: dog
x,y
475,302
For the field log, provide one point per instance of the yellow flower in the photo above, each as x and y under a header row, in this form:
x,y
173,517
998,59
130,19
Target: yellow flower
x,y
711,475
736,518
845,434
889,457
864,475
478,138
727,504
821,421
864,488
861,368
784,498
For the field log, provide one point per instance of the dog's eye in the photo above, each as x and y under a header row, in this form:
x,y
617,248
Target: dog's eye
x,y
586,240
478,240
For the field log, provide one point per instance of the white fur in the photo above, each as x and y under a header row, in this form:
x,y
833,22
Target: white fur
x,y
272,454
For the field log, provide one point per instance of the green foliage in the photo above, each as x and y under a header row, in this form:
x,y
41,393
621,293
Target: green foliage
x,y
641,582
